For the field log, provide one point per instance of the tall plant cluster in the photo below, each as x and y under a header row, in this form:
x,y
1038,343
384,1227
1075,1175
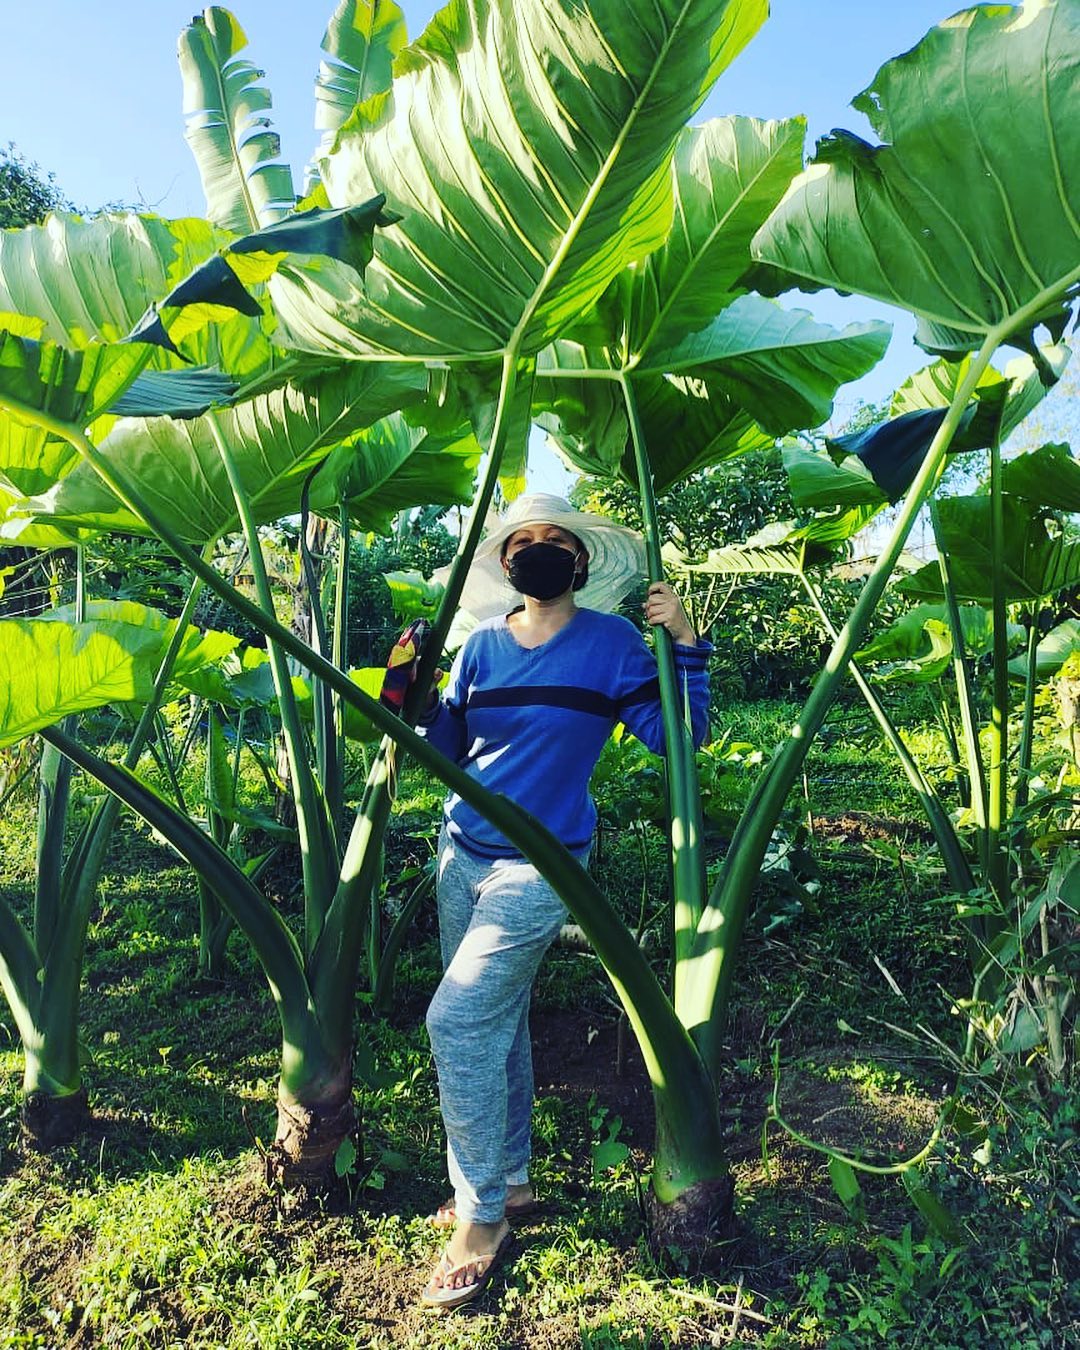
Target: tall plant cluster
x,y
512,223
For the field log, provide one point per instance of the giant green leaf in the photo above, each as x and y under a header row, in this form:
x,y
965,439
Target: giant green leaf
x,y
754,558
235,149
362,39
77,388
31,460
276,439
393,466
738,367
918,648
73,387
585,418
51,669
893,451
726,177
174,393
685,425
755,371
1036,563
968,213
221,288
1048,476
355,725
90,280
780,549
1051,653
198,648
242,679
23,532
781,367
934,386
1001,401
526,146
95,280
819,483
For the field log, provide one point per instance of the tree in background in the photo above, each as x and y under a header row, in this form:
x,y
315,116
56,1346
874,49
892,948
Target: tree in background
x,y
26,194
421,545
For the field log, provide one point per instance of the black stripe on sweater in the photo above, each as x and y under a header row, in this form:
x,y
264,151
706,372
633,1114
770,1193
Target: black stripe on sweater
x,y
649,692
546,696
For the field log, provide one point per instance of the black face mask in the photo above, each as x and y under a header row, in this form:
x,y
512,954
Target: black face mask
x,y
541,571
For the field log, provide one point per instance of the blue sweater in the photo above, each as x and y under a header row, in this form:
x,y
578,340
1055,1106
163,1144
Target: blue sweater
x,y
531,723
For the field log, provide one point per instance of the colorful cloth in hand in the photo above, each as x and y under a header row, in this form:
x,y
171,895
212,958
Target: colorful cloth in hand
x,y
401,665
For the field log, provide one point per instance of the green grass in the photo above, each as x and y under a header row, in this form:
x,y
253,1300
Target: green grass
x,y
154,1228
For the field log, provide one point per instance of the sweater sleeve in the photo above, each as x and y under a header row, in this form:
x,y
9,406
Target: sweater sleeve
x,y
639,694
444,725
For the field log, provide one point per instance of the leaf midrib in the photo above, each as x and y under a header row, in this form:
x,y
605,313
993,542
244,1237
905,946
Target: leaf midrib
x,y
698,254
581,215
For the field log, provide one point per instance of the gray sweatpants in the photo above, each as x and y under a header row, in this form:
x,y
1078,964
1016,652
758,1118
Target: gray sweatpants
x,y
496,920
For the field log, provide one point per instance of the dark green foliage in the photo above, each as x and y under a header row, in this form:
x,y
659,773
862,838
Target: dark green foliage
x,y
130,567
26,198
373,626
718,506
26,194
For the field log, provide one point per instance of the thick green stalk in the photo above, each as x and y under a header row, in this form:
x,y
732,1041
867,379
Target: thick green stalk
x,y
952,853
274,945
720,931
1027,725
339,654
328,762
969,722
374,920
361,867
54,792
317,851
684,796
998,801
1022,790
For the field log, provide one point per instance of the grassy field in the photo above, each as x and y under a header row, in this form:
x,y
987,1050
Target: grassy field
x,y
156,1227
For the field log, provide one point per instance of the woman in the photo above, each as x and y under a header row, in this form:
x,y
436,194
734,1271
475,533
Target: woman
x,y
532,697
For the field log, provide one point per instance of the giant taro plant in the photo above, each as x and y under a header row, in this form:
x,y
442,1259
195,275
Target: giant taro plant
x,y
529,150
605,203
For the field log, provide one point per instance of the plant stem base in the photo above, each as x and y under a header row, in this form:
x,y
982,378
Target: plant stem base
x,y
697,1222
308,1138
49,1120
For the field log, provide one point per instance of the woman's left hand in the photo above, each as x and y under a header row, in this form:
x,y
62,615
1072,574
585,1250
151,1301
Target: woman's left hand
x,y
664,608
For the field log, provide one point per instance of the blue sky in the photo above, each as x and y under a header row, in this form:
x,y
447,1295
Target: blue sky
x,y
92,93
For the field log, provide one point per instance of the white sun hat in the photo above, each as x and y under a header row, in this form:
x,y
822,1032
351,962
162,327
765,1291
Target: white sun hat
x,y
616,557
